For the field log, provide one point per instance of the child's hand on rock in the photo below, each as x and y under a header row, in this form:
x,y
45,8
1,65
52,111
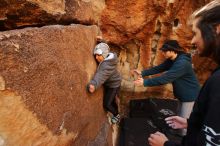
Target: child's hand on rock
x,y
91,88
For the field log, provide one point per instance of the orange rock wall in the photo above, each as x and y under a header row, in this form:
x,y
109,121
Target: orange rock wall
x,y
19,14
49,68
44,71
21,127
137,29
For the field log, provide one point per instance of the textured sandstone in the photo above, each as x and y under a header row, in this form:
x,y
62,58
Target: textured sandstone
x,y
49,68
18,14
44,71
21,127
136,29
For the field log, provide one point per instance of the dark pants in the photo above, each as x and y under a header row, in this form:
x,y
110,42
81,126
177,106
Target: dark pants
x,y
109,100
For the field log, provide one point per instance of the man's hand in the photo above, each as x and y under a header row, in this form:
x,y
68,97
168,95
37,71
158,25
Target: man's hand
x,y
157,139
91,88
139,81
135,72
176,122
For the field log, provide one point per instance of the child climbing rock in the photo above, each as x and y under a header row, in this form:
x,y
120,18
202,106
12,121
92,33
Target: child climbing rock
x,y
107,75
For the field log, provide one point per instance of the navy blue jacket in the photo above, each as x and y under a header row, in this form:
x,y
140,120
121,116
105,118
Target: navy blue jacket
x,y
180,73
203,124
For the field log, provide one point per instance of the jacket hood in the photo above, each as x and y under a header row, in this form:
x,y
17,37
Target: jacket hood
x,y
112,57
110,61
185,56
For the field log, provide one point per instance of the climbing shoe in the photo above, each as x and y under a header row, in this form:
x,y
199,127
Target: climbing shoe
x,y
115,119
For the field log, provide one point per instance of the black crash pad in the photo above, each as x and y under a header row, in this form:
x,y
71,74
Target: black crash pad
x,y
147,116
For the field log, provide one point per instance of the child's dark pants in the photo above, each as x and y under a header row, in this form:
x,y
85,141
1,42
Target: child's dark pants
x,y
109,100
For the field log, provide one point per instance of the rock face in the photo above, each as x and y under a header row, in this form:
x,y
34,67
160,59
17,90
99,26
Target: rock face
x,y
48,68
21,127
23,13
44,71
137,29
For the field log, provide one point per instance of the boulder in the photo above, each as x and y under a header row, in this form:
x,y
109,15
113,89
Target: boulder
x,y
137,29
46,69
23,13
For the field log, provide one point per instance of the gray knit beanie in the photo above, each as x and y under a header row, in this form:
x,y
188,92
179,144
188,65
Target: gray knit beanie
x,y
102,49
